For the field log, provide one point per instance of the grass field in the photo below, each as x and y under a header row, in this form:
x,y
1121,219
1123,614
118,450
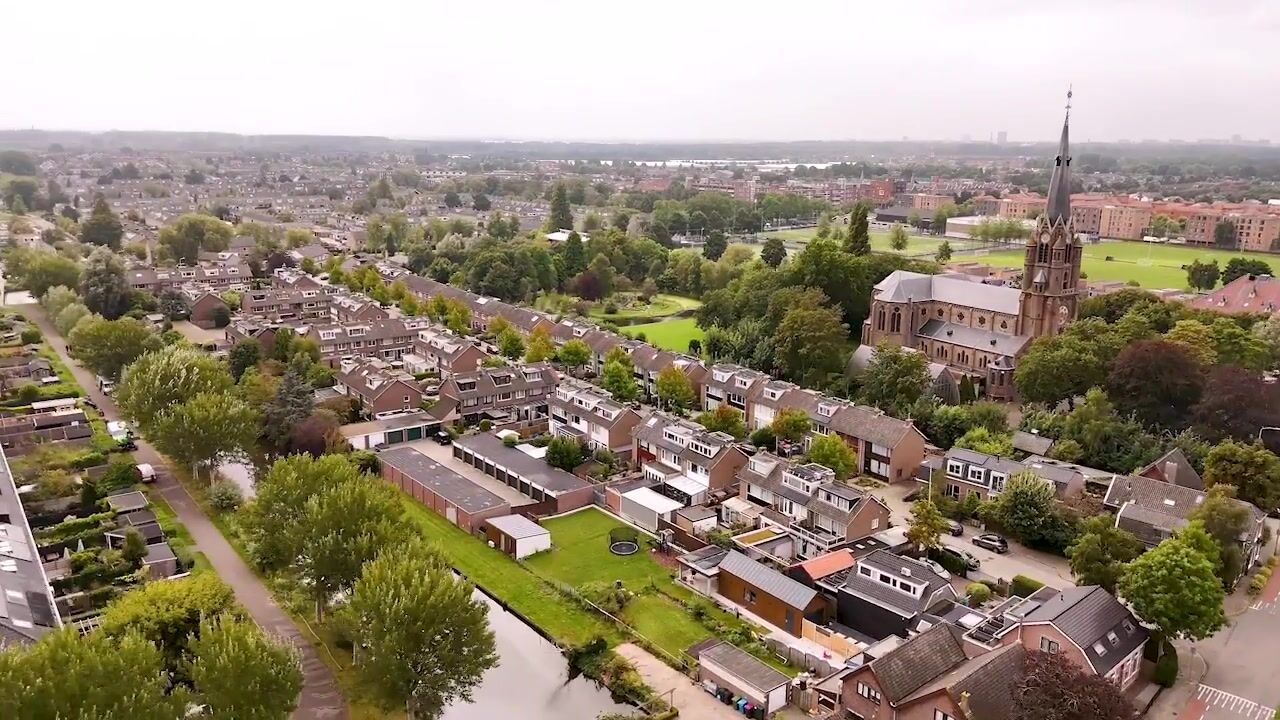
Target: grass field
x,y
673,334
916,244
659,306
1150,265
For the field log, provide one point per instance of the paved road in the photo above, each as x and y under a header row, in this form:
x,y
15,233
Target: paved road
x,y
320,696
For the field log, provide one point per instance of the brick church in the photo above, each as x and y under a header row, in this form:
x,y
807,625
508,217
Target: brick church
x,y
981,330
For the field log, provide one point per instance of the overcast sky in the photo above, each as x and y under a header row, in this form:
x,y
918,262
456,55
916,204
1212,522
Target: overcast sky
x,y
653,70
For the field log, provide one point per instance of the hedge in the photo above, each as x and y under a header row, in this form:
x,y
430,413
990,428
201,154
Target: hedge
x,y
1023,586
1166,672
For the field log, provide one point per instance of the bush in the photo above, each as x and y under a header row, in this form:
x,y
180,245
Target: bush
x,y
486,425
611,598
30,336
978,593
225,496
950,563
1260,579
1022,586
120,474
1166,672
610,309
367,461
764,438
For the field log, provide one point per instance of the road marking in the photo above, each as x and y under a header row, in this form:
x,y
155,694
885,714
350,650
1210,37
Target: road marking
x,y
1267,607
1233,703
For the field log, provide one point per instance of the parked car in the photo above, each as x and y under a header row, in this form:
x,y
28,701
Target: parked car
x,y
937,568
955,528
441,437
968,558
992,542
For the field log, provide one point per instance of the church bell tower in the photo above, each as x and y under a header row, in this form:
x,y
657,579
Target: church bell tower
x,y
1051,271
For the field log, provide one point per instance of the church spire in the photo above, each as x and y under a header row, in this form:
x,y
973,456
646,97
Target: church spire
x,y
1059,202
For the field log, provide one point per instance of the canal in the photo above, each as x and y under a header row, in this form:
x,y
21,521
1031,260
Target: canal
x,y
531,681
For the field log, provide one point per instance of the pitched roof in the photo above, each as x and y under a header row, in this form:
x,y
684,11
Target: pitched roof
x,y
988,679
1090,616
1152,509
918,661
901,286
911,571
767,579
1174,467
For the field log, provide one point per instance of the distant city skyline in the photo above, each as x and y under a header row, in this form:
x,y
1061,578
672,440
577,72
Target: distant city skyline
x,y
667,72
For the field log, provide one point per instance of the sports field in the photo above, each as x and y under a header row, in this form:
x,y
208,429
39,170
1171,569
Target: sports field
x,y
1151,265
916,244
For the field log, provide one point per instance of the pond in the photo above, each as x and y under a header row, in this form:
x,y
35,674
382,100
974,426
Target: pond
x,y
531,680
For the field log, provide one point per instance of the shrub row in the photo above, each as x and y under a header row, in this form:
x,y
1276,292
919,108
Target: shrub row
x,y
1260,579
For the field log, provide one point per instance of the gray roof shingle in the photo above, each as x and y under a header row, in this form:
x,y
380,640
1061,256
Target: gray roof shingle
x,y
1090,616
767,579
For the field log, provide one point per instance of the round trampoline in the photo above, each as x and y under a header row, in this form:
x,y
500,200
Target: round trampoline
x,y
624,541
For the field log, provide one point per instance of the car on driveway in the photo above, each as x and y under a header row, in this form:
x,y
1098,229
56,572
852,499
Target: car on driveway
x,y
955,528
992,542
441,437
937,568
964,556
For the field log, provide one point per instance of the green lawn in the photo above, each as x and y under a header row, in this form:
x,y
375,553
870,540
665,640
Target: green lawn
x,y
673,334
1151,265
503,577
916,244
659,306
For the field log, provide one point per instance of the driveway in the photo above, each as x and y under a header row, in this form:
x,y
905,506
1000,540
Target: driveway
x,y
1052,570
320,696
673,686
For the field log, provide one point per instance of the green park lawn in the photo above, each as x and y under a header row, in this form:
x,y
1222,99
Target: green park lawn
x,y
916,244
1150,265
659,306
673,334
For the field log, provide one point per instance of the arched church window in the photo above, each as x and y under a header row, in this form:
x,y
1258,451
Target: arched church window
x,y
895,322
880,318
1004,324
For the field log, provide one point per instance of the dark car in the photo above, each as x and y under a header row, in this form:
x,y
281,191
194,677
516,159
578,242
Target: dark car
x,y
955,528
967,558
992,542
442,438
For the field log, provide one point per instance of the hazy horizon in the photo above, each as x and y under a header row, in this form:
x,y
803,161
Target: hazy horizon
x,y
691,72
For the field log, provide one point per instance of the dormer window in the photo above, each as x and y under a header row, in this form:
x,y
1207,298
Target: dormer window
x,y
955,468
501,380
826,410
976,474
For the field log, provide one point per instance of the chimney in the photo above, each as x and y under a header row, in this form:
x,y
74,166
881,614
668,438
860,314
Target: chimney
x,y
964,703
1171,472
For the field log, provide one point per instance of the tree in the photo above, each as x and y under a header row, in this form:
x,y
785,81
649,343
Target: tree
x,y
1236,346
103,286
55,299
173,305
773,252
1059,368
1249,467
1158,381
927,526
560,215
193,233
69,318
539,348
618,377
480,201
159,380
102,227
244,355
832,451
810,344
1173,587
1101,552
46,270
342,528
574,254
423,642
268,521
715,245
1197,337
943,255
67,675
452,200
206,429
895,379
575,353
981,439
1224,234
1225,520
898,238
1203,275
169,613
858,241
565,453
675,392
239,672
725,419
510,344
790,424
292,404
1237,403
1027,509
1241,266
1051,687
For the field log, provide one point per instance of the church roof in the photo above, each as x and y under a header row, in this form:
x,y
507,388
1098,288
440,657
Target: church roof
x,y
1059,197
973,338
903,285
